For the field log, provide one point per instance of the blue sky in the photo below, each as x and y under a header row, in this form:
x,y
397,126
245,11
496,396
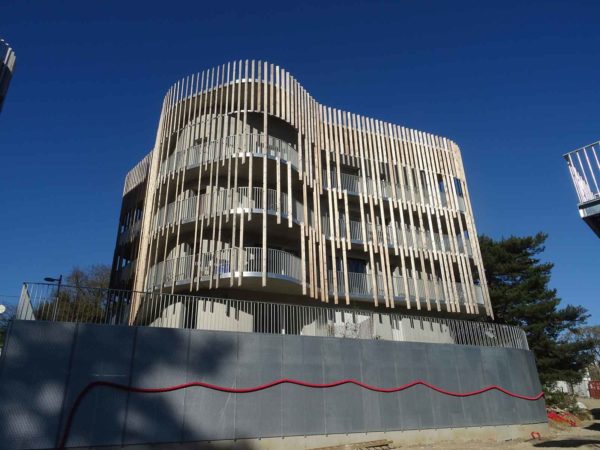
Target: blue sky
x,y
515,84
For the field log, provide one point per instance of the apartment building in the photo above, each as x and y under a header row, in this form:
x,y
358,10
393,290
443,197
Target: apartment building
x,y
255,190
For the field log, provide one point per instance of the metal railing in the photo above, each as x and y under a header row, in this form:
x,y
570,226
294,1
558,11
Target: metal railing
x,y
354,184
226,263
229,146
130,233
41,301
360,285
411,237
584,167
225,200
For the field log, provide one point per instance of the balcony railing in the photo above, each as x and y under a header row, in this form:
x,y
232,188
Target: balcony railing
x,y
130,233
229,146
360,285
126,272
422,239
110,306
584,167
224,264
354,185
226,200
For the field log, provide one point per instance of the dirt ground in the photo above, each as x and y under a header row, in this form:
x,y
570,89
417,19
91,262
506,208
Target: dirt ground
x,y
584,437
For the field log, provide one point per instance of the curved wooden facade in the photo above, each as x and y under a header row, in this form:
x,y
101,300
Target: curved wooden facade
x,y
255,190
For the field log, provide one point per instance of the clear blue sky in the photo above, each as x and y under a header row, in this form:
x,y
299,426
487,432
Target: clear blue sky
x,y
515,84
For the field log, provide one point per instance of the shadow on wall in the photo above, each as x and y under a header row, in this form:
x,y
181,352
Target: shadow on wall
x,y
41,359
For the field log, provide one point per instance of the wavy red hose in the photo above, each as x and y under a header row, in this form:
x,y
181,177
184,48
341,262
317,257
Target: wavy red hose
x,y
262,387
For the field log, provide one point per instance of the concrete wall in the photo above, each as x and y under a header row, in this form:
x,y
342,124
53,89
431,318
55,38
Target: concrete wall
x,y
46,365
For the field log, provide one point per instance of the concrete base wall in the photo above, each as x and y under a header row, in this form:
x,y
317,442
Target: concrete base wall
x,y
45,365
483,435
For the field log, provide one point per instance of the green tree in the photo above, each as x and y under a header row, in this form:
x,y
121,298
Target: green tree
x,y
520,295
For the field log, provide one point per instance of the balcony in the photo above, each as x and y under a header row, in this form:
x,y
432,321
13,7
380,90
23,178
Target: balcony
x,y
412,236
229,146
127,271
231,201
355,186
225,263
584,167
360,285
130,233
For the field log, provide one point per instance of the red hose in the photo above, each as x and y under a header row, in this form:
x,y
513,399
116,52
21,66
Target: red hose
x,y
262,387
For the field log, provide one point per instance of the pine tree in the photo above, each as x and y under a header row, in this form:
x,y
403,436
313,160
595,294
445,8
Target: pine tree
x,y
520,295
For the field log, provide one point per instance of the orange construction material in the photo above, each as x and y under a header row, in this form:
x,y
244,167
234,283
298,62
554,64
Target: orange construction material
x,y
594,387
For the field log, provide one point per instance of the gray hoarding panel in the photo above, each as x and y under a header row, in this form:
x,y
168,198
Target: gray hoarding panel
x,y
497,371
303,408
343,404
447,410
468,367
160,360
100,416
258,414
378,369
32,385
212,359
416,403
38,355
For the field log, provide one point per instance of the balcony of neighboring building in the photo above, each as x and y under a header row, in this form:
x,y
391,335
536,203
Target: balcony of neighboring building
x,y
584,167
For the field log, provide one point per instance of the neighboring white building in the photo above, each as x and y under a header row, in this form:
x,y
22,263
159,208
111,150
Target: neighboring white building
x,y
584,167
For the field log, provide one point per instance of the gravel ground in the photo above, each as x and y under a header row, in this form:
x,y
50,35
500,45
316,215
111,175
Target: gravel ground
x,y
585,437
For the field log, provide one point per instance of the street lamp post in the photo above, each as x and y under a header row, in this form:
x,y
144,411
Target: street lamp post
x,y
59,281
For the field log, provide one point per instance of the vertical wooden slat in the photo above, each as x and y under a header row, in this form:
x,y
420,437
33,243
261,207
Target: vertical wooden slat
x,y
398,205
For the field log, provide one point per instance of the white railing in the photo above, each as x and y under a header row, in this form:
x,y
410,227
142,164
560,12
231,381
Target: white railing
x,y
229,146
422,239
40,301
224,264
226,200
419,289
584,167
354,184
